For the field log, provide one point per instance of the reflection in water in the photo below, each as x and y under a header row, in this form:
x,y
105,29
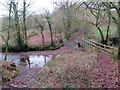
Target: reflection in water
x,y
35,60
24,59
39,60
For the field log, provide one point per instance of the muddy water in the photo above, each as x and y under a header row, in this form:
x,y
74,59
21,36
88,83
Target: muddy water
x,y
35,60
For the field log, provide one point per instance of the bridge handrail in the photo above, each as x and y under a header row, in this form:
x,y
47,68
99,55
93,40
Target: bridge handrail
x,y
100,46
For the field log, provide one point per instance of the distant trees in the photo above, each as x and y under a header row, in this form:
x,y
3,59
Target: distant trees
x,y
58,25
69,10
42,21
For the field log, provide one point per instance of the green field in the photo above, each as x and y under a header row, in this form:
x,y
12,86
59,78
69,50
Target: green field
x,y
113,31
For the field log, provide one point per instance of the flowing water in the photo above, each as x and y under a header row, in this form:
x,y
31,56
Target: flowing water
x,y
35,60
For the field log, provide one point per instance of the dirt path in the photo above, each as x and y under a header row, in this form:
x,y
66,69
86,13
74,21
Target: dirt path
x,y
68,44
107,71
25,78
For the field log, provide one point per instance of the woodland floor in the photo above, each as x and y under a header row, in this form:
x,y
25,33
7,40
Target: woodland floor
x,y
73,68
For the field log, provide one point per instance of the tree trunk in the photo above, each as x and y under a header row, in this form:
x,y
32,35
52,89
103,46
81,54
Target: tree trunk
x,y
19,42
51,35
119,31
68,28
42,34
102,36
107,36
61,38
17,28
6,51
8,33
108,29
24,23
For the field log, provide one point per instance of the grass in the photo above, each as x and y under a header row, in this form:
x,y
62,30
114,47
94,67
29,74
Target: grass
x,y
33,48
7,71
69,70
113,31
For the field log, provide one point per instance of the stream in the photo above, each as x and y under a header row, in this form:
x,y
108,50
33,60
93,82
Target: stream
x,y
25,78
35,60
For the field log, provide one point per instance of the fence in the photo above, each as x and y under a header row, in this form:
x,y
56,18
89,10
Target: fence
x,y
86,43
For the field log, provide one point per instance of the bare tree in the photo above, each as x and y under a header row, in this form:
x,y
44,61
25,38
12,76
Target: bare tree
x,y
98,12
58,24
118,29
24,22
24,13
116,19
18,24
40,25
69,9
19,40
48,18
8,32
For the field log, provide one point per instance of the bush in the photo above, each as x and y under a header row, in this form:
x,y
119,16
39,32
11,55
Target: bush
x,y
8,71
33,48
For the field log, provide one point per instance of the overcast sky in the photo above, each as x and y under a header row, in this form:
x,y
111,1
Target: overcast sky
x,y
36,5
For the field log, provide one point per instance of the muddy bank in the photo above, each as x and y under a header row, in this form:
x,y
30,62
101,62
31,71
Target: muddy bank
x,y
24,79
27,75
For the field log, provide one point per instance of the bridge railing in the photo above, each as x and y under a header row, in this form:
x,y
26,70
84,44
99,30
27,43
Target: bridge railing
x,y
84,42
